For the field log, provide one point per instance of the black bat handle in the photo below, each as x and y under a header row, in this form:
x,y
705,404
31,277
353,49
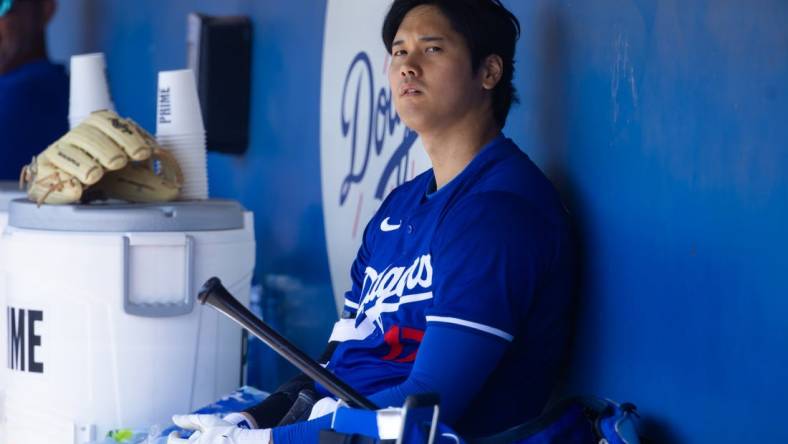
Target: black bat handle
x,y
213,293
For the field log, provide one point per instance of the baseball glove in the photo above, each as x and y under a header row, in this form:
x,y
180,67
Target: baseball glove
x,y
104,157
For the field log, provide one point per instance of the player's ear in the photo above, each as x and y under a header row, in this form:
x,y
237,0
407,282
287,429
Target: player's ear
x,y
491,71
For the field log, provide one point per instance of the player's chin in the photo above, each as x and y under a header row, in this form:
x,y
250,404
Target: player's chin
x,y
414,118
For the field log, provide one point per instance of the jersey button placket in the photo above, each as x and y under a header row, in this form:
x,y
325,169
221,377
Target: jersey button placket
x,y
410,229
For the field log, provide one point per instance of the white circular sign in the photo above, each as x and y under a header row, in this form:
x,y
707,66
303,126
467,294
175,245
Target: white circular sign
x,y
365,150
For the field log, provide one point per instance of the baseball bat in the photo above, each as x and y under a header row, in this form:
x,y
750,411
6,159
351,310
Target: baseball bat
x,y
214,294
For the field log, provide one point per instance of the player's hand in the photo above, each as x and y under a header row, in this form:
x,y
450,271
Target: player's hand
x,y
209,429
324,407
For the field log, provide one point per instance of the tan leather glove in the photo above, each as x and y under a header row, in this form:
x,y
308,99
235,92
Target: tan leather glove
x,y
105,156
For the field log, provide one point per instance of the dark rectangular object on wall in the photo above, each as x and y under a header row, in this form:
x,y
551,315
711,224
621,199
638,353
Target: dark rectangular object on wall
x,y
220,54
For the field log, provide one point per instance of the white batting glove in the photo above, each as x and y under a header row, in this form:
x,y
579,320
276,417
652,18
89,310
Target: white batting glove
x,y
324,407
209,429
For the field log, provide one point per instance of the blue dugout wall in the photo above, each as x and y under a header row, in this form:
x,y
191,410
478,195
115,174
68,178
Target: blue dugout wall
x,y
664,123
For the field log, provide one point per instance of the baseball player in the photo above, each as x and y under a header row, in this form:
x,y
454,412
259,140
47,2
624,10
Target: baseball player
x,y
33,91
462,283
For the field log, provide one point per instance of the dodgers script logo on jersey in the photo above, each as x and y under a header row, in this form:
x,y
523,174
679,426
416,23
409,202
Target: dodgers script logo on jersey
x,y
406,285
365,150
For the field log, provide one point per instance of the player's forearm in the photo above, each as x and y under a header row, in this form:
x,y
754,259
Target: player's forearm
x,y
454,363
301,432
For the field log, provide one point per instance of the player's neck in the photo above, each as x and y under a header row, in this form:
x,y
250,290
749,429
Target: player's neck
x,y
38,54
452,149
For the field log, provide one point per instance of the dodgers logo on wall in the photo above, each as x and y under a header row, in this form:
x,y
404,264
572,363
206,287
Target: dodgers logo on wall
x,y
365,150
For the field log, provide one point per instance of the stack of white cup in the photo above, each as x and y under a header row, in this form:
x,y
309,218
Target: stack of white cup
x,y
89,89
179,129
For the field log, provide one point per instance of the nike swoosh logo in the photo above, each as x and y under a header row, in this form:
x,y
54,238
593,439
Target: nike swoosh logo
x,y
386,226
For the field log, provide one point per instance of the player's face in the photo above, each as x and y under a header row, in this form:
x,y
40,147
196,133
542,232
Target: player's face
x,y
430,72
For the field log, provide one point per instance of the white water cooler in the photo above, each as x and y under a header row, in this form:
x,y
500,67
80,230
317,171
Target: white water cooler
x,y
101,322
8,192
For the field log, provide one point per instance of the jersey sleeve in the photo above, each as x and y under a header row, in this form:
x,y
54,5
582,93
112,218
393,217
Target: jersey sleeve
x,y
345,328
443,350
353,295
488,254
358,269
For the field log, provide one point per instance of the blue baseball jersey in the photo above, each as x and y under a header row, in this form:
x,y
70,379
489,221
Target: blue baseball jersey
x,y
489,252
33,113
